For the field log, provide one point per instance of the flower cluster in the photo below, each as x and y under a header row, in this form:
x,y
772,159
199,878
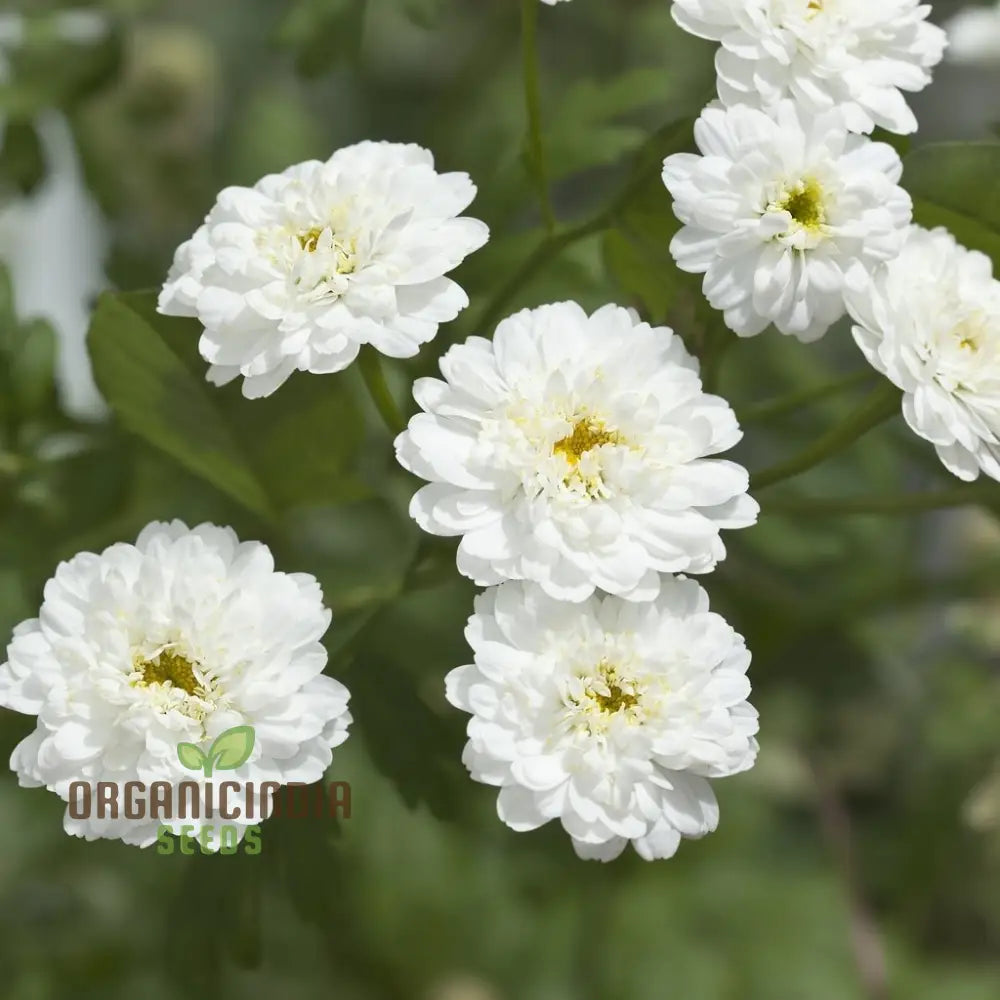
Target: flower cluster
x,y
574,454
795,216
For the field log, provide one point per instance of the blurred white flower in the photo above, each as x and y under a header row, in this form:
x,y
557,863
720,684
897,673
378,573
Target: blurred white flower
x,y
572,451
302,269
974,35
178,638
930,321
776,209
609,716
54,241
858,55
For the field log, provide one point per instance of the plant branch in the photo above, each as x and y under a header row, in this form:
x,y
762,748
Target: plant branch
x,y
866,936
552,244
371,371
878,406
533,105
780,405
888,504
547,250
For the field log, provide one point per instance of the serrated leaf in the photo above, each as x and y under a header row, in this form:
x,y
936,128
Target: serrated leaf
x,y
232,749
190,756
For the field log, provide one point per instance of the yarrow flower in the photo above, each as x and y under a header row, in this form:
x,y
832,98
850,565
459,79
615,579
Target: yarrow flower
x,y
777,208
178,638
572,451
303,268
609,716
858,55
930,321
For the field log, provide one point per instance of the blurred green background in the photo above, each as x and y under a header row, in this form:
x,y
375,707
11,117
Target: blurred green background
x,y
860,859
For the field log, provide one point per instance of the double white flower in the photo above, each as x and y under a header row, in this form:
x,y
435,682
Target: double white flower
x,y
302,269
930,321
608,716
175,639
855,55
575,451
777,208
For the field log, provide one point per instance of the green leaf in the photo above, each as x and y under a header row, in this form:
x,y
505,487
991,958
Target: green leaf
x,y
190,756
957,185
158,398
293,448
232,748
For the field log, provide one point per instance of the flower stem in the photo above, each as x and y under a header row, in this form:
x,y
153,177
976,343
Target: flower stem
x,y
371,371
878,406
781,405
889,504
548,249
647,163
533,104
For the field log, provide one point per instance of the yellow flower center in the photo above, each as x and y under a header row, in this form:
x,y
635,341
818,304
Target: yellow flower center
x,y
608,694
970,333
615,700
586,434
804,203
344,250
168,667
309,240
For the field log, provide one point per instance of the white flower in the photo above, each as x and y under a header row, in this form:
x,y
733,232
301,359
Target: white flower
x,y
930,321
974,35
609,716
855,54
777,208
572,451
175,639
302,269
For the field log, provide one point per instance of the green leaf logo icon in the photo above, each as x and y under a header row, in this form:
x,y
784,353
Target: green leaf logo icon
x,y
230,750
190,756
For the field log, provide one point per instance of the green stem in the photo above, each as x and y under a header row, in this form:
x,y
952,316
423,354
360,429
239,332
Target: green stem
x,y
781,405
533,104
648,162
899,503
548,249
878,406
371,371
